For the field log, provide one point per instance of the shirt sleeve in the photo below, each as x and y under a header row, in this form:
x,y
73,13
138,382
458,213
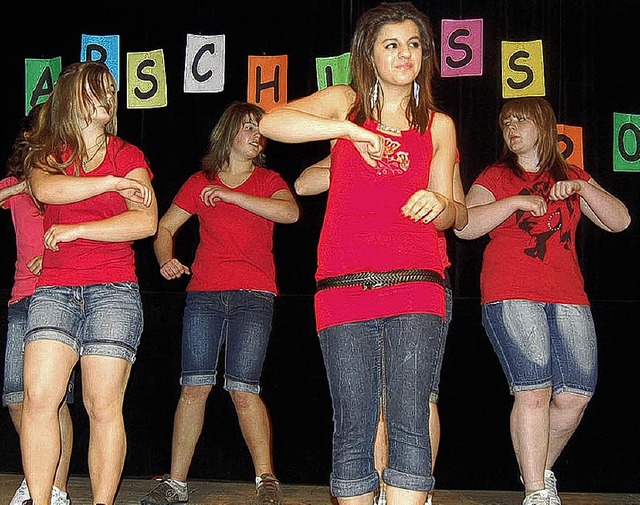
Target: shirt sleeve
x,y
189,194
129,158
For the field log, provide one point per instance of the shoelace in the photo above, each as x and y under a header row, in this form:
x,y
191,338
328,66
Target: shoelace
x,y
268,488
538,498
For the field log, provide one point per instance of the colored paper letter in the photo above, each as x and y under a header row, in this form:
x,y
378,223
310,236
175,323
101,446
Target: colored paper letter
x,y
570,142
626,142
104,48
333,70
146,80
267,82
461,44
522,69
204,64
40,76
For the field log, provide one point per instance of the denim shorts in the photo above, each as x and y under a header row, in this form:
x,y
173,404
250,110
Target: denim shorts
x,y
393,359
98,319
435,384
544,345
238,319
13,386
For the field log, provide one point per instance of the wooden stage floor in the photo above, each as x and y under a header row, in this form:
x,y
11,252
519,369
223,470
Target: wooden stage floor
x,y
242,493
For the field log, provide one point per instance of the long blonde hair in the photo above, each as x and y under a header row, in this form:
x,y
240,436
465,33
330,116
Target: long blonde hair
x,y
67,110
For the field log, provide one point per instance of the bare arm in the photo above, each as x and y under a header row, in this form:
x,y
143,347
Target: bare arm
x,y
459,201
281,207
59,189
600,206
321,116
485,212
435,203
314,179
137,222
164,243
13,190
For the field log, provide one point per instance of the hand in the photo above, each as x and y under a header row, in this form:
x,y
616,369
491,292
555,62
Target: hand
x,y
133,190
370,145
424,205
211,195
60,233
531,203
562,190
35,265
173,269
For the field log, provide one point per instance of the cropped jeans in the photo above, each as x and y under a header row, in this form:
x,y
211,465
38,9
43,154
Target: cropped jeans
x,y
396,358
544,345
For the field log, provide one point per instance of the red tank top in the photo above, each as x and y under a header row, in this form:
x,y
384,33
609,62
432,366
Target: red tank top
x,y
364,230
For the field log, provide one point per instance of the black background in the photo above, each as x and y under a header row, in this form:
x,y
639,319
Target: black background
x,y
590,57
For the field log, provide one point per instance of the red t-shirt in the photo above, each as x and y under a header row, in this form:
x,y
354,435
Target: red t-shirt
x,y
236,246
528,257
83,262
364,231
27,223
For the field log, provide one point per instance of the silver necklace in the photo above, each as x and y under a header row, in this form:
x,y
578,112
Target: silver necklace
x,y
389,129
102,143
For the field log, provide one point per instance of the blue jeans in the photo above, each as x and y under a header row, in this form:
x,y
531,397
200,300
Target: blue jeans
x,y
393,357
435,384
239,319
98,319
13,388
544,345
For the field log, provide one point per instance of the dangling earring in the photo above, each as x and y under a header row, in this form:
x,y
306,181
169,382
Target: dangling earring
x,y
416,92
374,94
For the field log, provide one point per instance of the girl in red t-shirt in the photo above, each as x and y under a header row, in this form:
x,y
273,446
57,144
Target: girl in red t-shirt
x,y
97,197
231,293
534,307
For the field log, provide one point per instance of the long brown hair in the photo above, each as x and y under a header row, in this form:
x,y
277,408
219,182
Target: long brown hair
x,y
223,134
540,113
67,110
363,73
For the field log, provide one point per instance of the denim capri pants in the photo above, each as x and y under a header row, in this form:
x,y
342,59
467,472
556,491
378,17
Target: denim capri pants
x,y
544,345
13,386
97,319
238,319
396,358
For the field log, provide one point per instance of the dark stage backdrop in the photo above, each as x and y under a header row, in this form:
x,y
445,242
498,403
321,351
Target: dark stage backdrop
x,y
590,53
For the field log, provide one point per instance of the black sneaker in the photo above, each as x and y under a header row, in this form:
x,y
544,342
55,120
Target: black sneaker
x,y
268,490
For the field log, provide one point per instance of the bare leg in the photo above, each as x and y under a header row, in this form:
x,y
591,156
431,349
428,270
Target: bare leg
x,y
381,446
365,499
256,429
397,496
530,434
47,367
104,380
187,428
566,412
15,411
66,441
434,432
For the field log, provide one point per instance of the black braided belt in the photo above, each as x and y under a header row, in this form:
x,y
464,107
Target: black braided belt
x,y
372,280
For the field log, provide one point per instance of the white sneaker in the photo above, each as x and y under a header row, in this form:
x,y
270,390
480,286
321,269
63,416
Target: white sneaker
x,y
21,494
537,498
550,484
382,497
429,497
59,497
